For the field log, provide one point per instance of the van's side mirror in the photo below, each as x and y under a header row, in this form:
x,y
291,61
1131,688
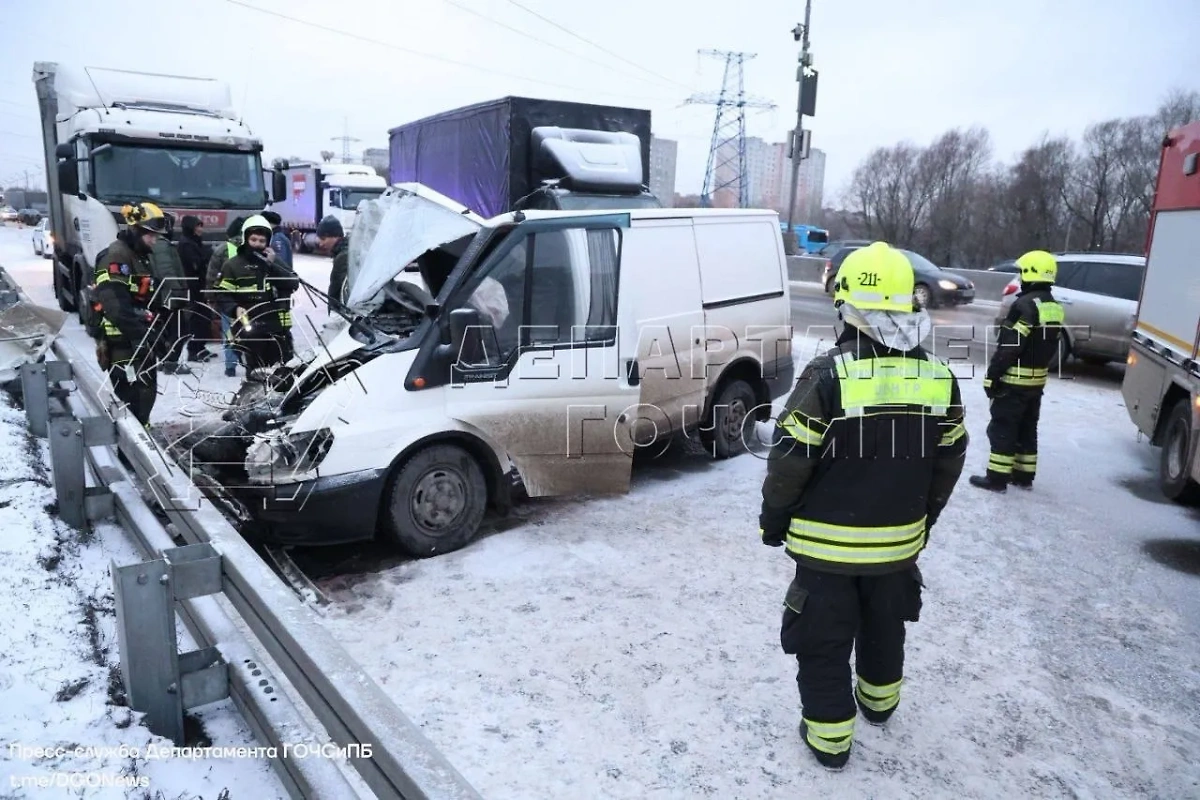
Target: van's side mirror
x,y
461,321
68,177
278,185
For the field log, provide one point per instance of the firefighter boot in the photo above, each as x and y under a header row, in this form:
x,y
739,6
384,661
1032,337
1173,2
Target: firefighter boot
x,y
834,762
990,481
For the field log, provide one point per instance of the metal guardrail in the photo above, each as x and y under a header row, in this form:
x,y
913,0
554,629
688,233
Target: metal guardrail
x,y
392,757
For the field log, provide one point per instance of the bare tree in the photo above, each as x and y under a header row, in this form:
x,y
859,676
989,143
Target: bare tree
x,y
950,169
887,191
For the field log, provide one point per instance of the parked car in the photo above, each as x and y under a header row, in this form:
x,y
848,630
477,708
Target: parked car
x,y
1099,294
43,239
933,287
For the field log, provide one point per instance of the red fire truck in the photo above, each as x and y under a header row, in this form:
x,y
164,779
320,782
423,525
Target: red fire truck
x,y
1162,378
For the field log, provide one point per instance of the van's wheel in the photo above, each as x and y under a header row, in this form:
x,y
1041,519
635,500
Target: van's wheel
x,y
731,421
435,502
1175,460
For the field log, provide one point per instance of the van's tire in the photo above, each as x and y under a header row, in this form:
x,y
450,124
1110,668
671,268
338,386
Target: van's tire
x,y
1174,459
434,503
731,421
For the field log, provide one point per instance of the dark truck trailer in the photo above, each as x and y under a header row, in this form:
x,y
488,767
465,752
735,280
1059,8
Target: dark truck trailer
x,y
524,153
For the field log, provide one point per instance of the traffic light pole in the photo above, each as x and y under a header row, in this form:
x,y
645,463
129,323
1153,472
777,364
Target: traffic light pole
x,y
801,33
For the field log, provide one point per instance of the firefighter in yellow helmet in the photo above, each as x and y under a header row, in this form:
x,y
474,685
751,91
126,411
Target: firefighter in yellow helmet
x,y
254,290
870,445
129,344
1016,377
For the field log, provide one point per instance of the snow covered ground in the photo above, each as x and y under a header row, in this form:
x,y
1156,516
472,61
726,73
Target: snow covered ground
x,y
629,647
60,685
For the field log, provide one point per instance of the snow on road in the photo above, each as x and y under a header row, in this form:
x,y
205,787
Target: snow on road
x,y
60,684
629,647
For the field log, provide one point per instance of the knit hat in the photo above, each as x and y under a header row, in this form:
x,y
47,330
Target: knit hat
x,y
188,224
330,228
272,217
235,228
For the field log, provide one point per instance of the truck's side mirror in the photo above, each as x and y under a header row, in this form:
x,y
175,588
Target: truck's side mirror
x,y
68,177
64,150
278,185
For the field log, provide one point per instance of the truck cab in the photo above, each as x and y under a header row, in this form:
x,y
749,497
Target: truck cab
x,y
113,137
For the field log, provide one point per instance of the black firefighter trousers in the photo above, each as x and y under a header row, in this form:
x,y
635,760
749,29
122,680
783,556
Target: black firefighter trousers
x,y
1012,434
828,615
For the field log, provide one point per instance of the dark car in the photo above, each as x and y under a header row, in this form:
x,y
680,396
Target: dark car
x,y
29,216
933,286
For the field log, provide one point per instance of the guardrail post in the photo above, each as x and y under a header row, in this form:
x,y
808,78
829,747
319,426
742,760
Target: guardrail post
x,y
160,681
35,395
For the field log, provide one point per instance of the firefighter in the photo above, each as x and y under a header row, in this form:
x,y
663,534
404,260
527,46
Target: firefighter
x,y
1016,376
255,292
130,345
871,443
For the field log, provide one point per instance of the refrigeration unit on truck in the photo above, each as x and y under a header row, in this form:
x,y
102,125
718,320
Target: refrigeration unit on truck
x,y
1162,376
113,137
523,153
314,191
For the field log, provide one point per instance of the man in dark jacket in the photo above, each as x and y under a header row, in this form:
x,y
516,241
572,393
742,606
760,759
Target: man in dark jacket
x,y
280,243
331,238
871,445
190,322
131,343
1016,376
255,292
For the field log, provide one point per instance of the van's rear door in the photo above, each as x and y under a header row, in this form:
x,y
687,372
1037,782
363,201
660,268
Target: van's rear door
x,y
547,378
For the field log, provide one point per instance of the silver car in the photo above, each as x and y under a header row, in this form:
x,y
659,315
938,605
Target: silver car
x,y
1099,294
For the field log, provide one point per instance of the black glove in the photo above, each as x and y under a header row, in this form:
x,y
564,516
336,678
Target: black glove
x,y
773,538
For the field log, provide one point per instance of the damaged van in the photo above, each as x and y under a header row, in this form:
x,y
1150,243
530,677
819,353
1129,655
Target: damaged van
x,y
538,349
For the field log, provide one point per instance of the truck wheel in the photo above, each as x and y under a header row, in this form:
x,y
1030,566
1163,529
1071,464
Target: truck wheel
x,y
60,291
297,242
83,305
1175,460
435,502
731,422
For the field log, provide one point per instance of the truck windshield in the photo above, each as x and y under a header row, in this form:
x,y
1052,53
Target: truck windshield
x,y
352,197
605,202
177,177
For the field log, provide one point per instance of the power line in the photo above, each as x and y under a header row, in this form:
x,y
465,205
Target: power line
x,y
529,35
585,40
432,56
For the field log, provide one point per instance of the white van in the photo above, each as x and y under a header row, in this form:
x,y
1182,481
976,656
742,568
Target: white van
x,y
558,344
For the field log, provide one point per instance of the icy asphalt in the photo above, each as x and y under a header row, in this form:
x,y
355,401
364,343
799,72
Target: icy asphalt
x,y
628,647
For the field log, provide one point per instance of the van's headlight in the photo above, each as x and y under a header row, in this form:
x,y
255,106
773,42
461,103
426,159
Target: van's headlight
x,y
279,454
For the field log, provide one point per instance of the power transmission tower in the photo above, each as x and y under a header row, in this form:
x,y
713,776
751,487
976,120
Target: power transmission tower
x,y
727,152
345,139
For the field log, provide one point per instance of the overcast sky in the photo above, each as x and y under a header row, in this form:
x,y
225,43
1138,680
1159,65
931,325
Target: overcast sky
x,y
888,70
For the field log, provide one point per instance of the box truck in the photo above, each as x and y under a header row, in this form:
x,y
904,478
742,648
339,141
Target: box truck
x,y
1162,375
520,153
112,137
313,191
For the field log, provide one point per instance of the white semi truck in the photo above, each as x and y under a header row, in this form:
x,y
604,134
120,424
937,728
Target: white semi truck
x,y
314,191
113,137
1162,376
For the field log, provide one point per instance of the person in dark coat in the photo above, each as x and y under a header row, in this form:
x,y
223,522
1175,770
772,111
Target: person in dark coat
x,y
280,244
195,321
331,238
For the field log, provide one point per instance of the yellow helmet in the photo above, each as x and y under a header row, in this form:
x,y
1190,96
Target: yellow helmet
x,y
875,277
1038,266
146,216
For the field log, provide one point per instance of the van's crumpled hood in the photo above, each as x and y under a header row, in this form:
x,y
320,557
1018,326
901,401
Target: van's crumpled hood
x,y
407,220
342,345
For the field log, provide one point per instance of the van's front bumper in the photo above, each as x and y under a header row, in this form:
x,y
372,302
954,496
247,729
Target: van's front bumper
x,y
336,509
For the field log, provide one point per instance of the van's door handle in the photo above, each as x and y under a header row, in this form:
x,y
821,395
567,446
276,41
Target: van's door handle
x,y
631,372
